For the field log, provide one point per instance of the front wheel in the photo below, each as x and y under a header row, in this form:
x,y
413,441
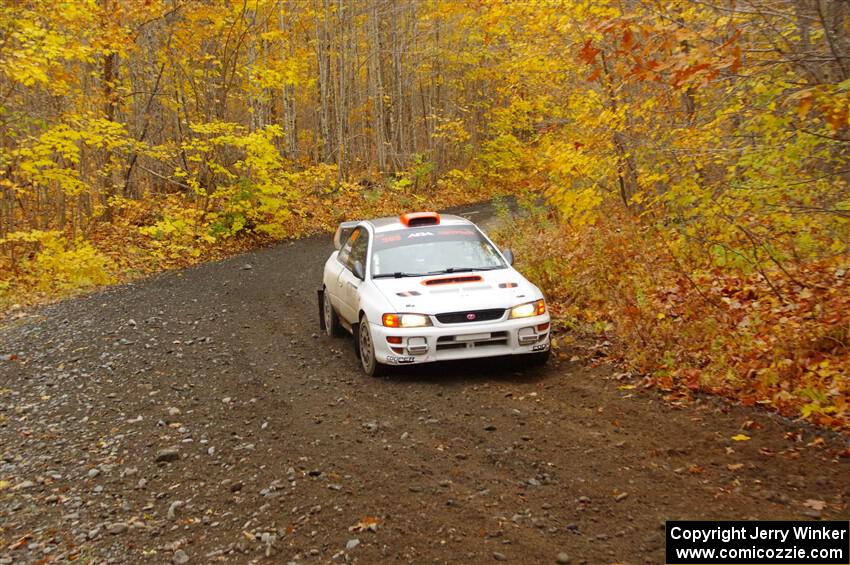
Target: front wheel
x,y
366,349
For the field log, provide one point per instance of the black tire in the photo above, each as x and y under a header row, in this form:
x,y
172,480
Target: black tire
x,y
366,350
332,326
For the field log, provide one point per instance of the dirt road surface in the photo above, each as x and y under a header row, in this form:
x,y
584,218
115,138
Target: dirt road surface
x,y
200,416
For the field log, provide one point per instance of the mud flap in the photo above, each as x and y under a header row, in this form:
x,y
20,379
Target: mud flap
x,y
355,331
321,293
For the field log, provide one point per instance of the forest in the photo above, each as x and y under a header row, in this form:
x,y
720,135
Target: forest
x,y
683,166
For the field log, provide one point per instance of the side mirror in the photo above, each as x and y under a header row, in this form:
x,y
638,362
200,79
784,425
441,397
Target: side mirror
x,y
342,233
359,272
509,256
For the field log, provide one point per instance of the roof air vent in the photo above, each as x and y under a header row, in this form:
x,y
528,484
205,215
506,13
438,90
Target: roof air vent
x,y
416,219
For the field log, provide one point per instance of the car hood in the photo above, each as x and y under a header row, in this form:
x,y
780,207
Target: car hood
x,y
479,290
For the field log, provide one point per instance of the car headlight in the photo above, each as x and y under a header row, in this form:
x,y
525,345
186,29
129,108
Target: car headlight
x,y
406,320
529,309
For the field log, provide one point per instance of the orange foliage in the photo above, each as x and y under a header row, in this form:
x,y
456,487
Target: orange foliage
x,y
780,343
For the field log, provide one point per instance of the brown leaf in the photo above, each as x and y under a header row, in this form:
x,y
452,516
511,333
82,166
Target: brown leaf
x,y
366,524
588,53
815,504
21,542
628,40
817,442
751,425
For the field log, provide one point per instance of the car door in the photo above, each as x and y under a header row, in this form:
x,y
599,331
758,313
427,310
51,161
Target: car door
x,y
349,283
335,267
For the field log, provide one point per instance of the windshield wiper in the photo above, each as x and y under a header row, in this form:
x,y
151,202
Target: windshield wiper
x,y
397,275
462,270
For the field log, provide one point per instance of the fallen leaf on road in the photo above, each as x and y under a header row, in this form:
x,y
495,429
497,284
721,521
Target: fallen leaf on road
x,y
21,542
735,466
815,504
4,485
741,437
695,470
817,442
366,524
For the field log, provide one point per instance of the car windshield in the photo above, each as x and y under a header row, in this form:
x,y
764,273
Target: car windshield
x,y
432,250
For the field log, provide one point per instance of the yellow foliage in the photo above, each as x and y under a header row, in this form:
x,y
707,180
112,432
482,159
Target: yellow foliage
x,y
57,266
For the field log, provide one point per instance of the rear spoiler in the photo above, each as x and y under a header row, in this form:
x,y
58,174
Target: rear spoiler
x,y
342,232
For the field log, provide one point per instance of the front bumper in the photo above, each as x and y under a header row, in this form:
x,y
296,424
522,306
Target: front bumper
x,y
446,342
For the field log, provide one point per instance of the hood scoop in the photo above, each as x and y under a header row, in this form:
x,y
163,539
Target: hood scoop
x,y
453,280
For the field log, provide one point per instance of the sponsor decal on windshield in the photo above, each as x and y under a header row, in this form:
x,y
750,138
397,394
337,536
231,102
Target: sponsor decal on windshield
x,y
457,232
393,238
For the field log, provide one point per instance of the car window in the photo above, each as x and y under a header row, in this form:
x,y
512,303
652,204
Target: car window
x,y
359,247
433,249
345,250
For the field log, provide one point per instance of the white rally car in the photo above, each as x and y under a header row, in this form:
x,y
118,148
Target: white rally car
x,y
422,288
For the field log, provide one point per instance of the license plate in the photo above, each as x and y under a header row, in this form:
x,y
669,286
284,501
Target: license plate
x,y
472,337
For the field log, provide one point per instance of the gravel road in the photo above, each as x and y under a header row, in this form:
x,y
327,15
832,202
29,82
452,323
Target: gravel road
x,y
199,416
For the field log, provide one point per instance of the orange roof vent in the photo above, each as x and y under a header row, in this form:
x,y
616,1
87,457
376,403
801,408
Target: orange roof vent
x,y
415,219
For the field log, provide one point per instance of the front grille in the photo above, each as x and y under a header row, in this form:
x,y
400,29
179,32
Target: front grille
x,y
464,317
